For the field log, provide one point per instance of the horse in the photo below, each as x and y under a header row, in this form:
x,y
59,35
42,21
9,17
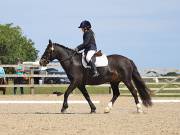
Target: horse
x,y
119,69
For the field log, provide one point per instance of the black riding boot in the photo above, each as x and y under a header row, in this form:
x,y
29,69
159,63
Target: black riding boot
x,y
93,67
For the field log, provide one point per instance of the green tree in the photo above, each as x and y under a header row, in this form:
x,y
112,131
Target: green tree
x,y
14,45
171,74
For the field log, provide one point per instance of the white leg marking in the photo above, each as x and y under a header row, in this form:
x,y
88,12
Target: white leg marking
x,y
139,108
110,105
108,108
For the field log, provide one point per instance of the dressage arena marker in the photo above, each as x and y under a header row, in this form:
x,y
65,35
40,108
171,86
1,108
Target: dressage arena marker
x,y
44,102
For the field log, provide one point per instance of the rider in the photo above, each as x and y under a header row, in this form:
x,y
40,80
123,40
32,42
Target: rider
x,y
89,45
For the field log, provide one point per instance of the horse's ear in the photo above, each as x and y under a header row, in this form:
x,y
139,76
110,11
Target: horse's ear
x,y
51,45
50,42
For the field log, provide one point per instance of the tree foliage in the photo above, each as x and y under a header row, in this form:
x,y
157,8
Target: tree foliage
x,y
14,45
171,74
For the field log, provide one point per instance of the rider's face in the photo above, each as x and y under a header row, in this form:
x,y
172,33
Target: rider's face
x,y
82,29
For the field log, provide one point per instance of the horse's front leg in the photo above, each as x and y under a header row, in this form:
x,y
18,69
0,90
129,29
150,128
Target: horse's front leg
x,y
82,88
71,87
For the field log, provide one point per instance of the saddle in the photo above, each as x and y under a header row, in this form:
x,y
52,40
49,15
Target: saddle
x,y
100,60
98,54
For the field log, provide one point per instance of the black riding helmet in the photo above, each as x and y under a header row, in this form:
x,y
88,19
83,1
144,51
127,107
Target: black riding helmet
x,y
85,24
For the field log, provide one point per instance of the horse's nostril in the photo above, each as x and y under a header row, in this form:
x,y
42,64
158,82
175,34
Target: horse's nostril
x,y
42,62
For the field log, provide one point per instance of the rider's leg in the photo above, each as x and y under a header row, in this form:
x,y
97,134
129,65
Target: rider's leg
x,y
89,55
89,58
93,67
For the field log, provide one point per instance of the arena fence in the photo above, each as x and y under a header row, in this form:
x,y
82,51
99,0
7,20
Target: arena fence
x,y
163,86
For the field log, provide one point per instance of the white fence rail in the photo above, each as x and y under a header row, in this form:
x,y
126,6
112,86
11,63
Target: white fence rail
x,y
165,81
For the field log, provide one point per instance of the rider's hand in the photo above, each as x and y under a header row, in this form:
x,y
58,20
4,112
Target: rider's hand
x,y
76,49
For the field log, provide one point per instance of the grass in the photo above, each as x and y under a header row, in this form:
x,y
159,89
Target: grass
x,y
99,90
50,90
91,90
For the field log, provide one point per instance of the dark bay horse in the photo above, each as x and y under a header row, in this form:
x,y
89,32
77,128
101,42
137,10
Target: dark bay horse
x,y
119,69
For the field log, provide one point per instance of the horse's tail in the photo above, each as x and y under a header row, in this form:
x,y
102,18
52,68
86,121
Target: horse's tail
x,y
143,91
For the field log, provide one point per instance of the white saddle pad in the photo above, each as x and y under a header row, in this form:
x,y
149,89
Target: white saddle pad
x,y
101,61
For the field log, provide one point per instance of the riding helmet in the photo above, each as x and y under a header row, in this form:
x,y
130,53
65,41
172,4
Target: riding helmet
x,y
85,24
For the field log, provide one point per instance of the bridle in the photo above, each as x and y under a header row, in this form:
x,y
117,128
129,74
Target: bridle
x,y
51,52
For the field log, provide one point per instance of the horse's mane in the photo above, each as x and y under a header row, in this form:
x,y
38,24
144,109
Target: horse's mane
x,y
64,47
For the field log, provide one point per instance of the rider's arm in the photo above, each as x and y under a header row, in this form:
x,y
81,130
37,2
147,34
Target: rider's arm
x,y
87,37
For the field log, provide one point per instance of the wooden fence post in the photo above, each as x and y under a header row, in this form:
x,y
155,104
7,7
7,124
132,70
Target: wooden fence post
x,y
32,81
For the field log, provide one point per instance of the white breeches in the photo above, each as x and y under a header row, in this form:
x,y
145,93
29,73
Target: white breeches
x,y
90,54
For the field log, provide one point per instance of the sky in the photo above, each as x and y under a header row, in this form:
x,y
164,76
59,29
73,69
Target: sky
x,y
148,32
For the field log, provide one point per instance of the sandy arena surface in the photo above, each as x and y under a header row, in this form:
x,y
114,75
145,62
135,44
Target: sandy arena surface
x,y
46,119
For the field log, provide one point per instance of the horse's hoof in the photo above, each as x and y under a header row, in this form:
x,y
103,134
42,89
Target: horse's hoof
x,y
140,111
63,110
139,108
93,111
107,110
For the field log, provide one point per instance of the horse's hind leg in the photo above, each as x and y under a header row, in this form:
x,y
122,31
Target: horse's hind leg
x,y
87,97
116,93
133,91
